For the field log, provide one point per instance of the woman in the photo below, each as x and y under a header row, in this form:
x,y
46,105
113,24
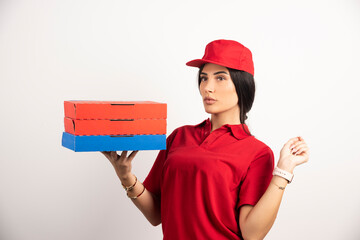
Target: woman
x,y
215,180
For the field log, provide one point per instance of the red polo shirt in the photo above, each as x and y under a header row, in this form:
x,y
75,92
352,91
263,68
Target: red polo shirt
x,y
203,178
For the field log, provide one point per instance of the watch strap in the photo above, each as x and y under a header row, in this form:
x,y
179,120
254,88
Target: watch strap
x,y
284,174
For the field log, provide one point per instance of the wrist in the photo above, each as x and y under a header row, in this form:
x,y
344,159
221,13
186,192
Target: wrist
x,y
280,180
286,167
283,173
127,179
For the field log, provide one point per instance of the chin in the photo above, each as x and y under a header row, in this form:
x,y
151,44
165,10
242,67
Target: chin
x,y
211,110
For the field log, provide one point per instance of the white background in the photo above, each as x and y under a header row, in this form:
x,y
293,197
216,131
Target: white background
x,y
306,56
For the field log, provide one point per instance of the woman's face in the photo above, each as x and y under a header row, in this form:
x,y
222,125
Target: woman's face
x,y
216,83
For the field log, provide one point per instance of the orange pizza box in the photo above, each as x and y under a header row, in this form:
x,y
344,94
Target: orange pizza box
x,y
78,109
115,126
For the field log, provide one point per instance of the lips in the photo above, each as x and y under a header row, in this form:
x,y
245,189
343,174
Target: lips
x,y
209,98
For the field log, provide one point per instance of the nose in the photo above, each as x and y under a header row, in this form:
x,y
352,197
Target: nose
x,y
209,85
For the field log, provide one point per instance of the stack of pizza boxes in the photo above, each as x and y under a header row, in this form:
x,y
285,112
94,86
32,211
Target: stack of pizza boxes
x,y
114,125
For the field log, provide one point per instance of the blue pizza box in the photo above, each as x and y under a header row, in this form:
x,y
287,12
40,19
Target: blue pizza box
x,y
94,143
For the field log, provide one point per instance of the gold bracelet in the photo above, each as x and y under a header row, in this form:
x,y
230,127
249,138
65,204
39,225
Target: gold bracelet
x,y
131,187
282,188
137,195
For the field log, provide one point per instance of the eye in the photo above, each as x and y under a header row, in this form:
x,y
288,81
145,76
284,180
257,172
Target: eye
x,y
202,79
221,78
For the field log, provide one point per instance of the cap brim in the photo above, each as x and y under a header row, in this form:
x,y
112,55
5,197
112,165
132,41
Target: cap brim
x,y
199,62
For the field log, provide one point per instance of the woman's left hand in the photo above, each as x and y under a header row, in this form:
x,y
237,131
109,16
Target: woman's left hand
x,y
293,153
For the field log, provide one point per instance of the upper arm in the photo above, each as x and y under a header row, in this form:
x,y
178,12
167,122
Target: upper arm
x,y
243,213
257,178
152,181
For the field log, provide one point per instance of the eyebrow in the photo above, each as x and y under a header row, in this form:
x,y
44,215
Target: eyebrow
x,y
215,73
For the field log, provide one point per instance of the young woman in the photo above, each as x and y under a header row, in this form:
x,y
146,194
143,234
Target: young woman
x,y
215,180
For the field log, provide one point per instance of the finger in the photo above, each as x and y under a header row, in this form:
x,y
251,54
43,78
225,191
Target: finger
x,y
132,155
105,153
108,155
297,146
302,151
114,155
291,143
122,155
301,158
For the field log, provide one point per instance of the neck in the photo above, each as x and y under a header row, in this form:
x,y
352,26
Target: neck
x,y
220,119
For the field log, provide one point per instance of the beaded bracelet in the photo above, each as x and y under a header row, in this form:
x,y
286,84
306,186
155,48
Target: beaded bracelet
x,y
137,195
131,187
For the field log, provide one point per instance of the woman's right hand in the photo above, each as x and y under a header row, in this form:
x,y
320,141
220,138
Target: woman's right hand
x,y
121,163
293,153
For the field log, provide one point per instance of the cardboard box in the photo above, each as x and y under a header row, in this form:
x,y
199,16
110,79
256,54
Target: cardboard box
x,y
113,142
115,127
114,110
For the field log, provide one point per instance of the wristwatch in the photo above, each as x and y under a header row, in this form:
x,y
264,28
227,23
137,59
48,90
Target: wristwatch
x,y
284,174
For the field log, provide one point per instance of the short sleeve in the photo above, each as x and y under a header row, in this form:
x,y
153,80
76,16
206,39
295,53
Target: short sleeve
x,y
257,178
153,180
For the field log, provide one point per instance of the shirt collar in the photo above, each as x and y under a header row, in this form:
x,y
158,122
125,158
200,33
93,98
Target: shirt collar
x,y
236,129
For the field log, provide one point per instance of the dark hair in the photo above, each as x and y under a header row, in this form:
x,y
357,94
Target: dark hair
x,y
245,89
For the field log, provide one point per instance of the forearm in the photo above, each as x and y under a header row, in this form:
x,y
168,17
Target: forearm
x,y
261,218
146,203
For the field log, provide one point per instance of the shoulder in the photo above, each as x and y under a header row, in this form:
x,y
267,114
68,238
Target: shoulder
x,y
177,131
256,145
261,161
184,129
259,148
183,132
260,144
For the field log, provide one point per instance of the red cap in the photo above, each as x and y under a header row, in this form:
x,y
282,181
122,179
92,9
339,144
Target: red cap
x,y
227,53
